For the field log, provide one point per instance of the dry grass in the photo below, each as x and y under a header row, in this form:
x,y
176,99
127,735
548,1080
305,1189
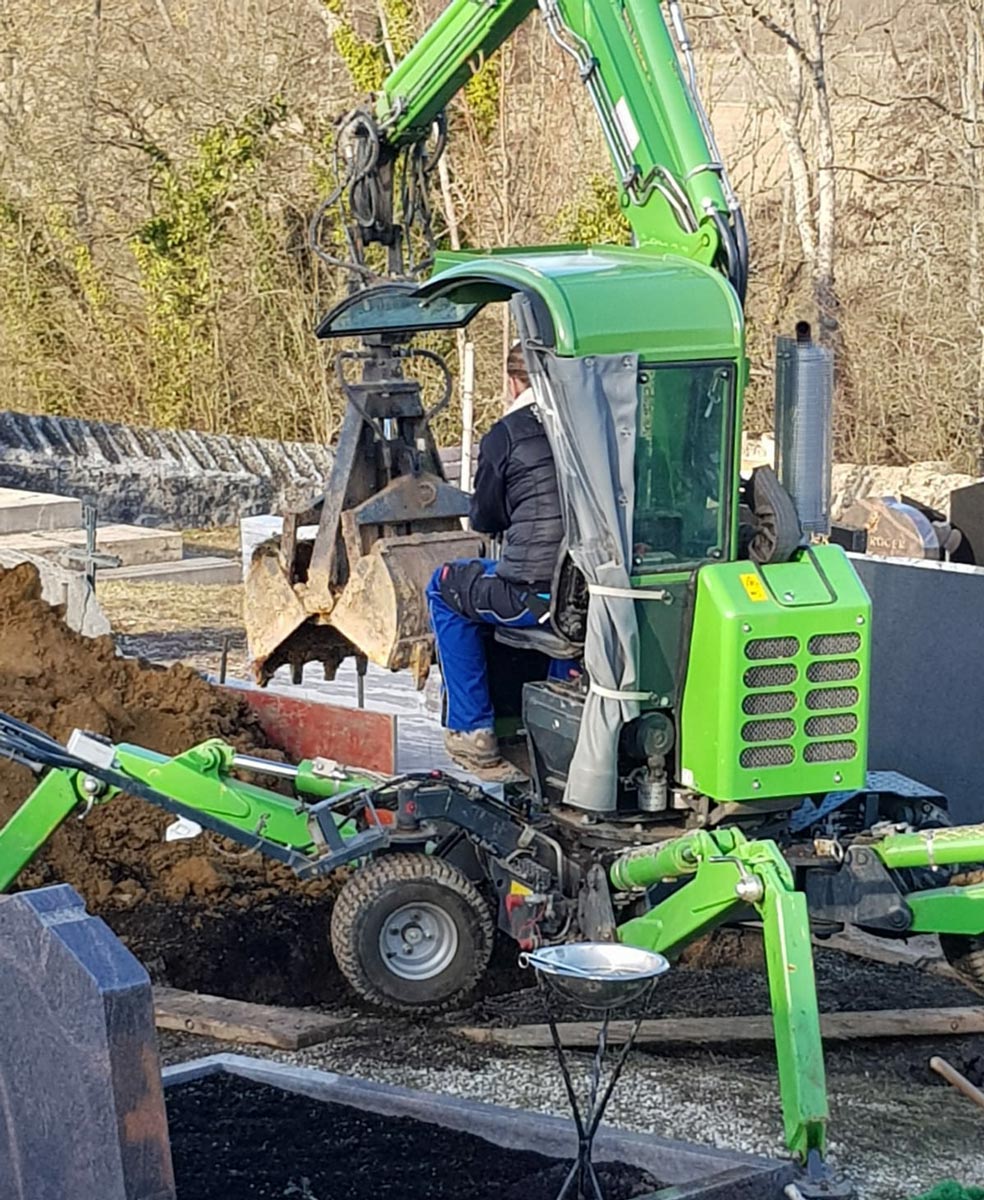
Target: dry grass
x,y
135,608
220,541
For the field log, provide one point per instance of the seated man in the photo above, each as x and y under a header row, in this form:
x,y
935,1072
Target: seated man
x,y
515,495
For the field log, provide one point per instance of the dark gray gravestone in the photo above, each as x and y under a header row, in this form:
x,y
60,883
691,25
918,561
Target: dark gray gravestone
x,y
81,1102
927,676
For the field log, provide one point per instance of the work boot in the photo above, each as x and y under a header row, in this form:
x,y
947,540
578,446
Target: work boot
x,y
474,751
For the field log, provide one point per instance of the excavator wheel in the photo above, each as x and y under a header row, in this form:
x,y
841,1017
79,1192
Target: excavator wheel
x,y
966,954
411,932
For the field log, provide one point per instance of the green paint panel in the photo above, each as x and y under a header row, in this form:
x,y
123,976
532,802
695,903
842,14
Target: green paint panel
x,y
198,779
776,696
52,800
661,633
460,40
932,847
792,587
954,910
728,872
642,83
609,299
640,97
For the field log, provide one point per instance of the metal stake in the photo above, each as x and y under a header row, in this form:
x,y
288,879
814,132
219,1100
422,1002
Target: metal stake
x,y
361,666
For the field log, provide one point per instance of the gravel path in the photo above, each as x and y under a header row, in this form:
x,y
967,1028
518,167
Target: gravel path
x,y
897,1136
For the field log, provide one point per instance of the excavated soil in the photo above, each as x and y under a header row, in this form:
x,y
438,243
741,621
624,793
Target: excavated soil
x,y
233,1139
116,858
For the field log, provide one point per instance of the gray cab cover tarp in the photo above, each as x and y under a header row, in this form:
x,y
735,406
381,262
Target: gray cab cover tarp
x,y
588,407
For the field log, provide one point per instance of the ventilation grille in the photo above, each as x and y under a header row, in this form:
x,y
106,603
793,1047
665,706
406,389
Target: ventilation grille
x,y
767,703
779,709
821,752
833,671
780,647
845,697
835,726
768,731
767,756
780,675
835,643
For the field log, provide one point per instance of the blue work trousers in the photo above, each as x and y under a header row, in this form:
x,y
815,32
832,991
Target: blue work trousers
x,y
462,597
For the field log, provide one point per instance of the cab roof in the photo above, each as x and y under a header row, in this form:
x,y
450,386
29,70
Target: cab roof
x,y
595,300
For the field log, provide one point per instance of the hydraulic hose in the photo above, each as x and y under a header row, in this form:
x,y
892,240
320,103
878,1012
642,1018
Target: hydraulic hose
x,y
735,261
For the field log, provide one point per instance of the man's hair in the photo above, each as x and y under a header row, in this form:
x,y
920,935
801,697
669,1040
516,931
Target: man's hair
x,y
516,365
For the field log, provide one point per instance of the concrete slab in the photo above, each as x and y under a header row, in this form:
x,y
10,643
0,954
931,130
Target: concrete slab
x,y
23,511
69,588
132,544
188,570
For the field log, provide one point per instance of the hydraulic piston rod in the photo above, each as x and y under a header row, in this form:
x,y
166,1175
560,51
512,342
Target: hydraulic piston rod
x,y
640,869
932,847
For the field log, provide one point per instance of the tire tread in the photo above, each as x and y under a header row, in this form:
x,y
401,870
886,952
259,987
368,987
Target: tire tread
x,y
365,887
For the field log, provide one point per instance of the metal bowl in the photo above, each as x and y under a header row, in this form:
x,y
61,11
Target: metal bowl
x,y
597,975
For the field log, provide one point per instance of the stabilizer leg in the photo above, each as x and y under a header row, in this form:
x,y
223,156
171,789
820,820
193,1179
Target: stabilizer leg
x,y
35,821
795,1016
729,873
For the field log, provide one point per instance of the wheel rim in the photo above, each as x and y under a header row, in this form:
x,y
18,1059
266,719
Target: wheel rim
x,y
418,941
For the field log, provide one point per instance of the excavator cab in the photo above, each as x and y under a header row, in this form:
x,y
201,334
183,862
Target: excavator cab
x,y
348,576
708,661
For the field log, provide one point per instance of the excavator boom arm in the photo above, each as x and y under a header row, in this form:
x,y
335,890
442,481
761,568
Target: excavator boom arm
x,y
672,186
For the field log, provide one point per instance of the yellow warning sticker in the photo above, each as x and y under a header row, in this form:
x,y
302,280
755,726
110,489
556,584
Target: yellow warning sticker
x,y
753,587
519,889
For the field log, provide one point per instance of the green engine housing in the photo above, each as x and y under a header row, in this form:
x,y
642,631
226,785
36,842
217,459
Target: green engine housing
x,y
775,701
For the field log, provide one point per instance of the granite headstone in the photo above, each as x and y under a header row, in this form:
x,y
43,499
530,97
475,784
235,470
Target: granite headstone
x,y
81,1102
927,676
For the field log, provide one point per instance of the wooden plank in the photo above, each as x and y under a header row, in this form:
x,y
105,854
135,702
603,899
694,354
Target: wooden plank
x,y
919,952
306,728
239,1021
845,1026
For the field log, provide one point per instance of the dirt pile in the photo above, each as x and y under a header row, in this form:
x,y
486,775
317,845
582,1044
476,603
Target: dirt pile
x,y
58,680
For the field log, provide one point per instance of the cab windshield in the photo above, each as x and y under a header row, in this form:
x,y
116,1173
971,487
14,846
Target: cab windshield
x,y
683,464
393,308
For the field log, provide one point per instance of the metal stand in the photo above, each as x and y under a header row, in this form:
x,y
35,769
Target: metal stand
x,y
600,977
582,1182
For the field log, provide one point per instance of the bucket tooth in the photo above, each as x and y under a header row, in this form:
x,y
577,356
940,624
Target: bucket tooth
x,y
272,610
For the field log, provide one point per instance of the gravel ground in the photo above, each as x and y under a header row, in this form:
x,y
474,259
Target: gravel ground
x,y
893,1125
896,1136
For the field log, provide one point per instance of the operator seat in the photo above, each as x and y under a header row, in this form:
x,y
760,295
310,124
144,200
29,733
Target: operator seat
x,y
562,634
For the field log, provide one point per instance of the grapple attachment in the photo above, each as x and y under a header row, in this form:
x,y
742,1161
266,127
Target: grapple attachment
x,y
388,519
383,609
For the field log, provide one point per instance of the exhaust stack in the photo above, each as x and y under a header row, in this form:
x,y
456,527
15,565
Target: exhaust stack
x,y
803,424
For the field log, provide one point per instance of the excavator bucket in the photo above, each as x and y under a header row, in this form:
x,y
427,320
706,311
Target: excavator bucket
x,y
383,609
379,615
272,609
387,520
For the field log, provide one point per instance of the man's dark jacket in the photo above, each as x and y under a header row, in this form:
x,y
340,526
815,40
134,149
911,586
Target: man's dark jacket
x,y
516,495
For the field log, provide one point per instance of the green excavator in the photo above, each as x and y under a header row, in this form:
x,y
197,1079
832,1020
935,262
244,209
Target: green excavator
x,y
710,764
